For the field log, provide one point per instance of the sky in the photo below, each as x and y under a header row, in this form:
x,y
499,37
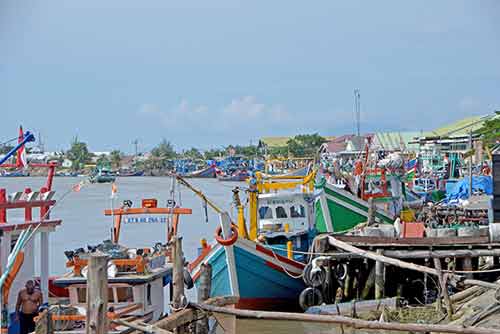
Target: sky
x,y
213,73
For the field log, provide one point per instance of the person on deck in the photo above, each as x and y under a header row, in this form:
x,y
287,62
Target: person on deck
x,y
28,302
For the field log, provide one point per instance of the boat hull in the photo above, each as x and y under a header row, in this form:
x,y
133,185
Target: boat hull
x,y
241,177
260,278
338,210
207,173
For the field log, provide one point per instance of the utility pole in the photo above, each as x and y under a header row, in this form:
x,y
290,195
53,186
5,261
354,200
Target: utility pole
x,y
470,163
135,142
357,110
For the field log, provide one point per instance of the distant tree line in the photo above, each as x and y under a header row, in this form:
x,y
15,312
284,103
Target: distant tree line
x,y
163,154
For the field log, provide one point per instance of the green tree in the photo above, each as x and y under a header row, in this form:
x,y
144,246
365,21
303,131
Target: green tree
x,y
249,151
164,150
78,154
115,158
490,131
193,153
214,153
5,148
304,145
103,161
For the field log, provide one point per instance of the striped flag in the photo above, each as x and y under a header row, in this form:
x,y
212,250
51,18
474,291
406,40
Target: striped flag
x,y
21,161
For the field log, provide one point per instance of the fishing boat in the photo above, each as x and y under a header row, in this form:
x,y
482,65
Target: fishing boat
x,y
136,276
102,175
207,173
15,173
262,266
237,176
130,173
338,210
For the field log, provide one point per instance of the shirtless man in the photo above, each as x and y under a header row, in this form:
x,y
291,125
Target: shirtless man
x,y
27,305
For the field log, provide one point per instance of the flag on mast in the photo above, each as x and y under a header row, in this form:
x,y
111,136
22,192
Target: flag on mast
x,y
21,161
114,190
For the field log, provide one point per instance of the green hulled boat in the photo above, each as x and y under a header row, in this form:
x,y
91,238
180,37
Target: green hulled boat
x,y
338,210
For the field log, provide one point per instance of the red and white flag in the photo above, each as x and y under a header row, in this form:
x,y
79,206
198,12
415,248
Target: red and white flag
x,y
114,190
21,161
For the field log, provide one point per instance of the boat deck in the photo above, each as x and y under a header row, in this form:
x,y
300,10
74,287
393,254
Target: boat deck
x,y
129,278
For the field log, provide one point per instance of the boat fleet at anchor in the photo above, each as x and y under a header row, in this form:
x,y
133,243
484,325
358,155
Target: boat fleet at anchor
x,y
268,253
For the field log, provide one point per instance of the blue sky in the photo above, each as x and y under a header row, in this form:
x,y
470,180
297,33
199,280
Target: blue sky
x,y
211,73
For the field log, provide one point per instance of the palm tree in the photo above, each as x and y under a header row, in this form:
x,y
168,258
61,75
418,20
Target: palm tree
x,y
116,158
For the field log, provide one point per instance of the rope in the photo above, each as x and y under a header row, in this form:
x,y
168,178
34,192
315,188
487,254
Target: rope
x,y
282,267
8,141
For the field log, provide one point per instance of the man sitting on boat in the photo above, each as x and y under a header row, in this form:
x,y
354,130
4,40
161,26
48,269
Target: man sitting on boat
x,y
28,302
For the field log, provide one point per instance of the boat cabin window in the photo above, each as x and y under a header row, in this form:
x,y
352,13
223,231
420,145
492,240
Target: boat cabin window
x,y
281,212
297,211
265,212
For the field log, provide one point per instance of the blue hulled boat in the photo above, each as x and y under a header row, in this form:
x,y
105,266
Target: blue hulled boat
x,y
260,277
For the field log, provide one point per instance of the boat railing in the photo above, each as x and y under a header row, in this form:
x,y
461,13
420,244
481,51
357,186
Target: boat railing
x,y
139,263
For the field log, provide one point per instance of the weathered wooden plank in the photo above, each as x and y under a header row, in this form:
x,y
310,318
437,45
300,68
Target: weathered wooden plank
x,y
378,241
351,322
97,294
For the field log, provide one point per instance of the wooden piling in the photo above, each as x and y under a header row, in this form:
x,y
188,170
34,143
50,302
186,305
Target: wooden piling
x,y
371,211
178,274
204,288
467,266
97,295
444,288
379,277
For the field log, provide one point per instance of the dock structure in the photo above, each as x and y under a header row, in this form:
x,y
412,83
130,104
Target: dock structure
x,y
11,228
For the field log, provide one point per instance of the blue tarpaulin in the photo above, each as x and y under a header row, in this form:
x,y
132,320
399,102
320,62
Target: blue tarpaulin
x,y
461,188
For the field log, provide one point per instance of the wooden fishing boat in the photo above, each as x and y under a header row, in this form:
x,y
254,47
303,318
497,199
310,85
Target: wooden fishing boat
x,y
207,172
338,210
102,175
262,266
238,176
136,276
260,277
131,173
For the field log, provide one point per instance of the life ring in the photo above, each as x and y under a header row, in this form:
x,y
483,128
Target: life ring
x,y
229,241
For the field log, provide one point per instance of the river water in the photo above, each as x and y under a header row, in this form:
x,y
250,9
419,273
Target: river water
x,y
84,222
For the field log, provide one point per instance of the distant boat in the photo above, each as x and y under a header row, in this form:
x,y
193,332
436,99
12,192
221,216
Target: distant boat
x,y
131,173
207,172
102,176
17,173
238,176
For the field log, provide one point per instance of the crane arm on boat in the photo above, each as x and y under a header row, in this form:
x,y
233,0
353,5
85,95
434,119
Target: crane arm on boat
x,y
28,137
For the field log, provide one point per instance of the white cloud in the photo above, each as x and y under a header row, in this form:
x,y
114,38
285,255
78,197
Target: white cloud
x,y
249,108
149,109
245,115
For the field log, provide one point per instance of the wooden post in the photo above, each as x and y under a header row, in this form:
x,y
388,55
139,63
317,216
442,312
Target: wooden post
x,y
444,288
97,295
379,277
203,294
371,211
178,274
467,266
44,264
3,212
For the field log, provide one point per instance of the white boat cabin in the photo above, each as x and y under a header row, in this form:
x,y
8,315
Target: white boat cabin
x,y
280,209
134,295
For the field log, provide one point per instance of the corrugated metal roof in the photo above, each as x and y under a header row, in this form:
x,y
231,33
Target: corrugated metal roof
x,y
396,141
461,127
281,141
